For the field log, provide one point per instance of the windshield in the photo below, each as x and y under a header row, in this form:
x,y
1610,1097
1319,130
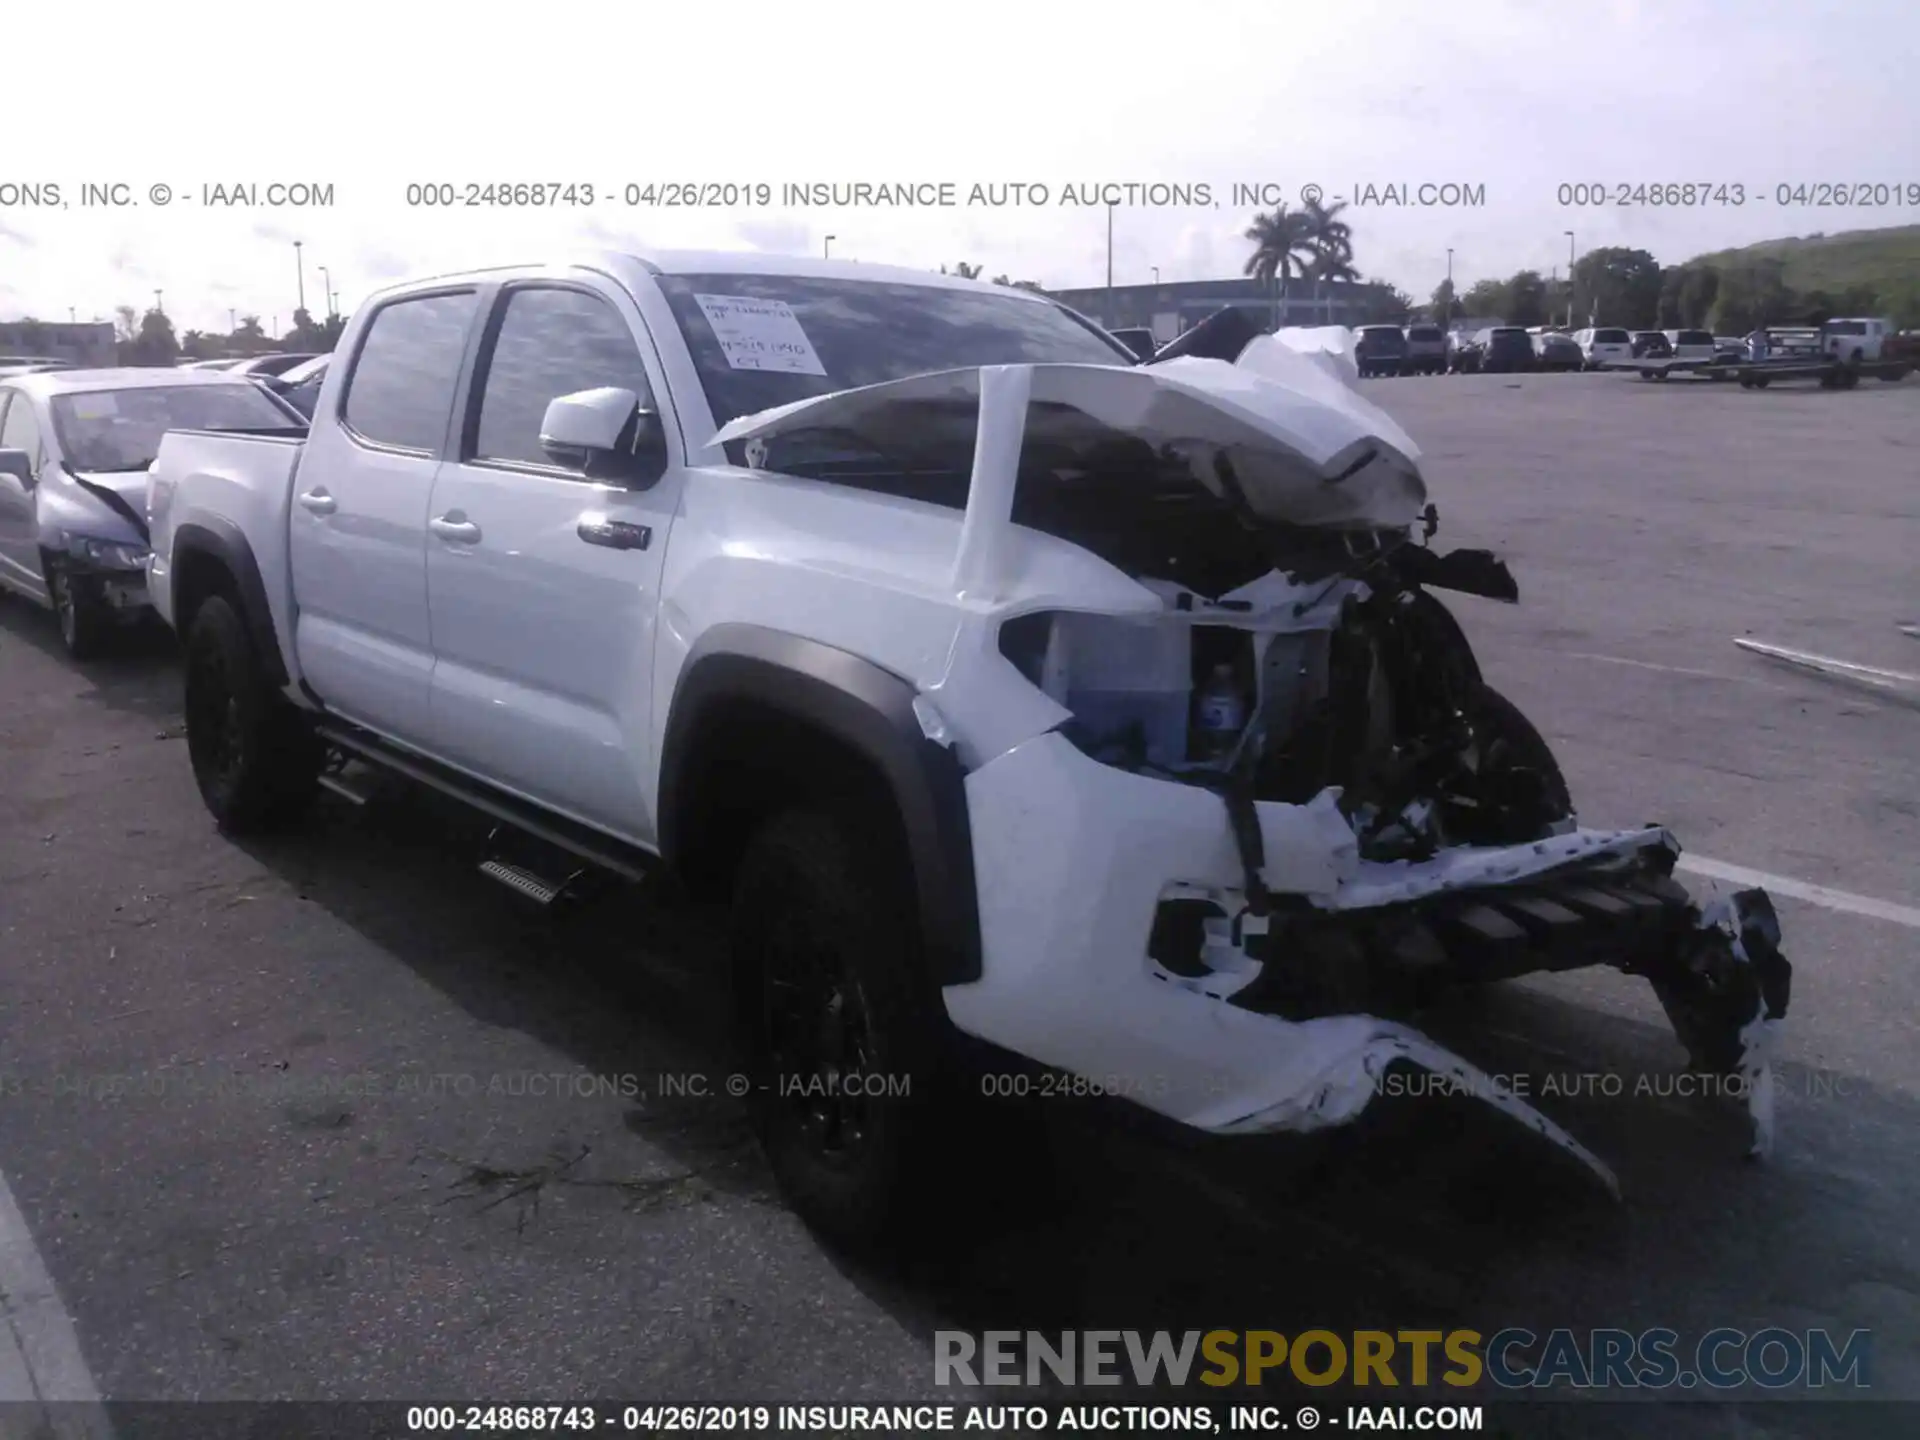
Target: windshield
x,y
121,429
1847,327
760,341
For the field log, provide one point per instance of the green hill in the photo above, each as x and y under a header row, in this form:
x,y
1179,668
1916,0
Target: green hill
x,y
1884,261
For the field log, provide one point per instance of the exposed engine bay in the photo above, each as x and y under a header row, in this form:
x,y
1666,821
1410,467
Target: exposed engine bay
x,y
1360,682
1267,636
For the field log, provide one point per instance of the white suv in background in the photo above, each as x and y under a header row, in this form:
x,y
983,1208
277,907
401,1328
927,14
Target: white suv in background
x,y
1604,345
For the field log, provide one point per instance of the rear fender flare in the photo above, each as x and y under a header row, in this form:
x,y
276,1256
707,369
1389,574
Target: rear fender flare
x,y
213,538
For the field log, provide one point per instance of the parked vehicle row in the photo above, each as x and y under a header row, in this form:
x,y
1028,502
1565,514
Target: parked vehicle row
x,y
277,363
1497,349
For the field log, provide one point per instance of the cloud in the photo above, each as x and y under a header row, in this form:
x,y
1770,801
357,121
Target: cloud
x,y
1474,91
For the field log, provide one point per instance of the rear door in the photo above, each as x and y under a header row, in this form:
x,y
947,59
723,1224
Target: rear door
x,y
19,530
358,533
543,630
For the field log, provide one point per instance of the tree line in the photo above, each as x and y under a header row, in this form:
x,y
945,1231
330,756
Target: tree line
x,y
149,338
1630,288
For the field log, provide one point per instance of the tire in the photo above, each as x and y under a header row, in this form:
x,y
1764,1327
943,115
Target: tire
x,y
1520,766
828,982
255,757
85,622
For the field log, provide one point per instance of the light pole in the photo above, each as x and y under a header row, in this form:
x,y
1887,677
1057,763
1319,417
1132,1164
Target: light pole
x,y
233,320
1156,274
1569,279
159,309
826,248
326,290
300,269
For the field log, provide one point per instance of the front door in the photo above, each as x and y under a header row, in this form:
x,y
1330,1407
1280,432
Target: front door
x,y
542,584
358,535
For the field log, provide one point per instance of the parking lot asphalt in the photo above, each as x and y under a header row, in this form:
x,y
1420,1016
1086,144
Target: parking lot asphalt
x,y
335,1117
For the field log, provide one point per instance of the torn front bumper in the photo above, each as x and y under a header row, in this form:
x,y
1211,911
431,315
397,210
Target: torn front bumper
x,y
1269,1024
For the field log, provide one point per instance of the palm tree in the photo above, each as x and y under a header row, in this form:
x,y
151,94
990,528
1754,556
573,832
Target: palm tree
x,y
1283,247
1332,239
963,270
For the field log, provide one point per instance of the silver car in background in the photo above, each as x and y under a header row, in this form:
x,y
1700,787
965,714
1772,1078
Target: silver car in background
x,y
74,450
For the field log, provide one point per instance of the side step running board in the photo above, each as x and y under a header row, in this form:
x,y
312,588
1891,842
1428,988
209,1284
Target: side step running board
x,y
601,850
523,881
345,789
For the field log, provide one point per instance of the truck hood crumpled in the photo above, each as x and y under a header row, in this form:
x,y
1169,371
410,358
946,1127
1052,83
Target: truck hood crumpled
x,y
1306,449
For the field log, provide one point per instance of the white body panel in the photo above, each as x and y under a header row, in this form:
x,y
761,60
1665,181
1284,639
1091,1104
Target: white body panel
x,y
357,549
216,480
542,643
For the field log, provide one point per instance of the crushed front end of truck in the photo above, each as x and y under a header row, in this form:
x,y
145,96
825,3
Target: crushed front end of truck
x,y
1242,802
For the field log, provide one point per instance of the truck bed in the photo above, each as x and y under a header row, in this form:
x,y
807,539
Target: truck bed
x,y
230,484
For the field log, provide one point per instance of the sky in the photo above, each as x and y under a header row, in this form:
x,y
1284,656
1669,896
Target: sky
x,y
1514,99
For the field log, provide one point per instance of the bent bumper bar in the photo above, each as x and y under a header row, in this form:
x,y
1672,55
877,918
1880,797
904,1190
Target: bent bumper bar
x,y
1076,859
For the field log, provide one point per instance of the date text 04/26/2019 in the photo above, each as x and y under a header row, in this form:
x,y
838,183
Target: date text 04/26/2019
x,y
931,1418
1691,194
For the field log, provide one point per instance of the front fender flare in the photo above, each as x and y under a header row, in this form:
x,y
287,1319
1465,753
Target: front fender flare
x,y
870,711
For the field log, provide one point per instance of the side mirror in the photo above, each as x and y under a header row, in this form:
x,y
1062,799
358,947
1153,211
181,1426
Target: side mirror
x,y
608,435
18,464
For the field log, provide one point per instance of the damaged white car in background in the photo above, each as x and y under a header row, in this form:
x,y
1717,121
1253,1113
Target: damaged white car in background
x,y
1241,802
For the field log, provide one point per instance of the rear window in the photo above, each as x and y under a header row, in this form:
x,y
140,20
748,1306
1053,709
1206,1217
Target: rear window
x,y
1426,333
1508,332
1611,337
1847,327
1695,337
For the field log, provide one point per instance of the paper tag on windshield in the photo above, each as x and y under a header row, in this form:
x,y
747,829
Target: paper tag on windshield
x,y
760,334
93,405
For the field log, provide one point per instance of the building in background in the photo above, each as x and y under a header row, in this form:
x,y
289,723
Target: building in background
x,y
86,342
1170,309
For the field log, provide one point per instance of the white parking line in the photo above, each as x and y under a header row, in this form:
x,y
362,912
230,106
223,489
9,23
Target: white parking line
x,y
1655,665
1827,665
1803,890
40,1361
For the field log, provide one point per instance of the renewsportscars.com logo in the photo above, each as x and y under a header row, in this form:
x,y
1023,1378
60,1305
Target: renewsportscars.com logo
x,y
1511,1359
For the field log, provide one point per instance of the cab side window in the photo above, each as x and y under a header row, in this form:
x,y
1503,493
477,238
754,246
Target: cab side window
x,y
550,342
401,391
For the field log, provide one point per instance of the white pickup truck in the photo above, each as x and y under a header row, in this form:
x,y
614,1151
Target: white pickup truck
x,y
1007,688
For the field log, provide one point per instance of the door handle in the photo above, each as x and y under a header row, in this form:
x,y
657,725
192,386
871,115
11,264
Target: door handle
x,y
319,501
448,528
598,529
